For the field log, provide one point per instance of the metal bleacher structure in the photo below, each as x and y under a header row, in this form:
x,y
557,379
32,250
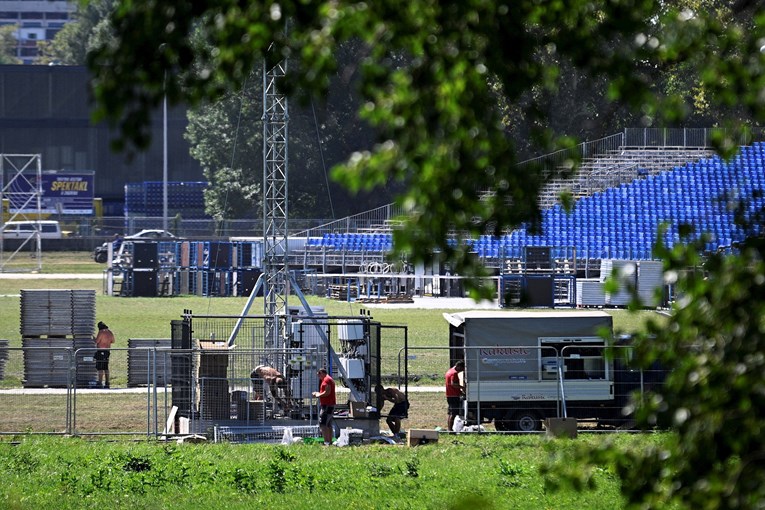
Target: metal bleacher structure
x,y
626,186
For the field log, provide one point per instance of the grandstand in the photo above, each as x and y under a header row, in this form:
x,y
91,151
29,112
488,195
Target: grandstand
x,y
627,186
624,193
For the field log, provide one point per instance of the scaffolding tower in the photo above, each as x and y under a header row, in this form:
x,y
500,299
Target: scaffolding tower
x,y
21,186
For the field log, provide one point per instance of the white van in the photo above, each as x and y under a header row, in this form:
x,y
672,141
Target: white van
x,y
48,229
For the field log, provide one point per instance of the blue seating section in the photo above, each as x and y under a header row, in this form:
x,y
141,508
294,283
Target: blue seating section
x,y
622,222
353,242
184,198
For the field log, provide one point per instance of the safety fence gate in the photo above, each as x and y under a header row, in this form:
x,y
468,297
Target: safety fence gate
x,y
55,390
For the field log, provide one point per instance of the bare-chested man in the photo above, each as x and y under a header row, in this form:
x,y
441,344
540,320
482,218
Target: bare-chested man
x,y
277,384
399,409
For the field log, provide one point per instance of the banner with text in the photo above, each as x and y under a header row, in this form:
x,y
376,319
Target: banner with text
x,y
62,193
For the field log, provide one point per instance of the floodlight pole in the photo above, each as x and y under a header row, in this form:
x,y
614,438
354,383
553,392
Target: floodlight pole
x,y
164,163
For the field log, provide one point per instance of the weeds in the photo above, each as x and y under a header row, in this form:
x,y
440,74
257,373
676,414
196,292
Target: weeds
x,y
244,480
511,474
22,461
135,464
412,468
377,470
68,474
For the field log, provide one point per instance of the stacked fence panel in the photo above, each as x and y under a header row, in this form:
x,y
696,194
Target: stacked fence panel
x,y
184,199
3,357
57,321
148,361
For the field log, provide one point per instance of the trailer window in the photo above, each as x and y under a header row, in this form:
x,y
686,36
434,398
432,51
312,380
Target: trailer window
x,y
584,363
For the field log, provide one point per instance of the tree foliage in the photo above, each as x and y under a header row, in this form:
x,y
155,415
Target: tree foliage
x,y
442,84
90,28
714,397
226,138
429,84
8,45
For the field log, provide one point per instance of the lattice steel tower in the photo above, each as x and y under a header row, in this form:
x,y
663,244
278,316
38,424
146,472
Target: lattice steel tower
x,y
275,249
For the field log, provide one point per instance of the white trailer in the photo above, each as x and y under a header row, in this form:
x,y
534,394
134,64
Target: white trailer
x,y
524,367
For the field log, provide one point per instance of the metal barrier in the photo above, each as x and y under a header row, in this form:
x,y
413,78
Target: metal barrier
x,y
189,391
202,388
29,406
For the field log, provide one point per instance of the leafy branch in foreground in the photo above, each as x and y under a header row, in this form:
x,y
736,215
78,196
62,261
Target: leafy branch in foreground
x,y
433,81
714,397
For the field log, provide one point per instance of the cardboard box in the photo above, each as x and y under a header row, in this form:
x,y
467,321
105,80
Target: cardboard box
x,y
416,437
561,427
370,427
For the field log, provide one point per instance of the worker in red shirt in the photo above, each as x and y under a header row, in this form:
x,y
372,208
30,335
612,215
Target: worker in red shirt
x,y
454,392
327,402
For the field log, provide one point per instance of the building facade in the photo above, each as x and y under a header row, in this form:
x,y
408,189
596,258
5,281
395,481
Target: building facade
x,y
46,110
36,20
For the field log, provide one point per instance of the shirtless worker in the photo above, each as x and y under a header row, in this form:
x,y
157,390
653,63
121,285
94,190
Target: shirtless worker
x,y
104,340
399,409
276,383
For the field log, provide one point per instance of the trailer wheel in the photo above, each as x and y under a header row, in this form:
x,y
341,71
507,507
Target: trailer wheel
x,y
527,421
101,257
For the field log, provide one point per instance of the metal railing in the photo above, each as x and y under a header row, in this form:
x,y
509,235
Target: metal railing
x,y
181,387
55,391
683,137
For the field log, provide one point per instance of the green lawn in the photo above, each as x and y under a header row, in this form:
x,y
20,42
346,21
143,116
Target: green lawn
x,y
56,261
459,472
141,317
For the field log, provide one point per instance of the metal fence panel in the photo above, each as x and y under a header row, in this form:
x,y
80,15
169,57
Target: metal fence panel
x,y
33,409
133,410
221,399
515,388
216,395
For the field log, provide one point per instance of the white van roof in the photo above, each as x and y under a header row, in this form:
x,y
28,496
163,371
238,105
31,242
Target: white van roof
x,y
28,222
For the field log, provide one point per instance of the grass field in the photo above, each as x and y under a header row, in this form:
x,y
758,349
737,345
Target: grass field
x,y
459,472
55,262
128,413
150,318
139,317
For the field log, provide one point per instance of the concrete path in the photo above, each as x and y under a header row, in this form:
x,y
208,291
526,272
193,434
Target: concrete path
x,y
160,389
435,303
51,276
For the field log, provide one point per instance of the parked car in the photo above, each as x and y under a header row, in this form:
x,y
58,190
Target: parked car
x,y
101,253
48,229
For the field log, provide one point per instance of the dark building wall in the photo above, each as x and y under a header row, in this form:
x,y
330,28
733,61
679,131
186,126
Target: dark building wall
x,y
46,110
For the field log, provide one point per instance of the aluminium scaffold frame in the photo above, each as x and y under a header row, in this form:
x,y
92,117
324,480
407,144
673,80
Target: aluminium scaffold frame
x,y
21,185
